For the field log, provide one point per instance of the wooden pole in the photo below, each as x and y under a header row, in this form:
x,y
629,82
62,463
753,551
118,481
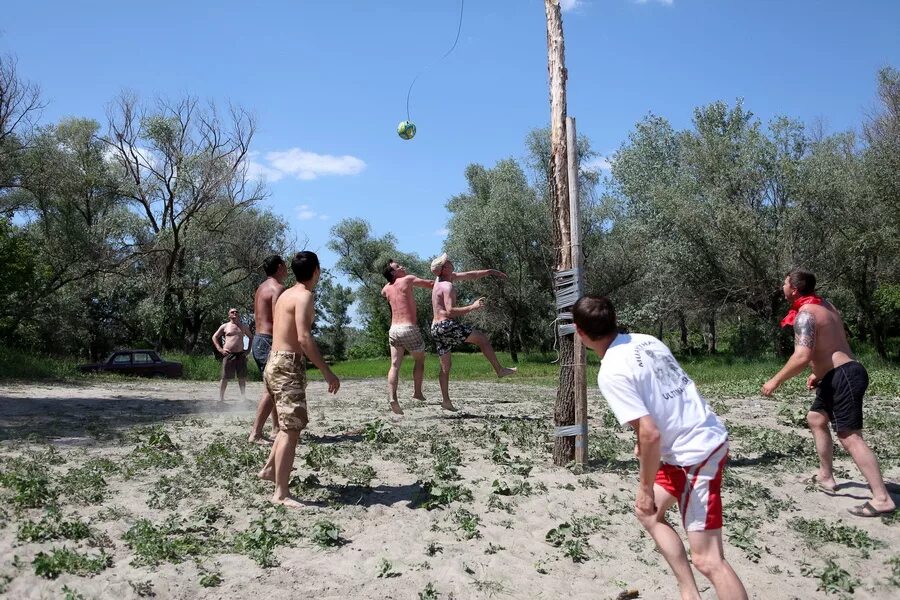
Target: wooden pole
x,y
564,411
581,414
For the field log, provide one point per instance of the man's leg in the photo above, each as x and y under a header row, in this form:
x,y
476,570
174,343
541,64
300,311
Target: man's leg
x,y
266,406
818,425
242,383
393,378
222,385
482,341
418,375
669,544
444,378
865,459
709,558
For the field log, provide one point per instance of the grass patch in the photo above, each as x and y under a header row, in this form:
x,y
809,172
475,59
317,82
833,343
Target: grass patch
x,y
63,560
819,531
53,527
169,541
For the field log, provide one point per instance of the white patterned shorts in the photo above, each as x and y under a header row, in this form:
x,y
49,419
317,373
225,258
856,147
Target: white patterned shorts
x,y
407,337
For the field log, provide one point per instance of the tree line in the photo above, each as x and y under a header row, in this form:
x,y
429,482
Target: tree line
x,y
144,229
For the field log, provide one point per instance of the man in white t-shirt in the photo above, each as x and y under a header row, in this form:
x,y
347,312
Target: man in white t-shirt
x,y
681,444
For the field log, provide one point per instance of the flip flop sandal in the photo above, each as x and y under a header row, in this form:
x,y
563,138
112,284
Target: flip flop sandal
x,y
822,487
867,510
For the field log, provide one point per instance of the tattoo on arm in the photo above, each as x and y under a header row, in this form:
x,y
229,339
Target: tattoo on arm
x,y
805,330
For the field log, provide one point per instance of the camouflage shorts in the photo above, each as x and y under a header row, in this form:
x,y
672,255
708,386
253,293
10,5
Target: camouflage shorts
x,y
285,379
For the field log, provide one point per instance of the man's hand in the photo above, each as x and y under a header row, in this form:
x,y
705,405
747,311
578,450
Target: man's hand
x,y
497,273
769,387
479,304
334,384
225,352
812,381
645,504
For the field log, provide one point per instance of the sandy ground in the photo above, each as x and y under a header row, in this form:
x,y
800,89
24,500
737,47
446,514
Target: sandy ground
x,y
505,555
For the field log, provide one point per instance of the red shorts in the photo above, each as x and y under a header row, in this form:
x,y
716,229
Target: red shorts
x,y
697,490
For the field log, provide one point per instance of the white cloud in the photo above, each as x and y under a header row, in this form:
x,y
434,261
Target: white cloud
x,y
597,164
301,164
567,5
663,2
309,165
305,212
442,232
257,170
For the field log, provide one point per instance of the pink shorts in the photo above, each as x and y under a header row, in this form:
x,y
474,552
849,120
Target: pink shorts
x,y
698,490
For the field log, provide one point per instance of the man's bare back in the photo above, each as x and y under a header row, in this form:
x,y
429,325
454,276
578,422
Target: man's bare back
x,y
399,295
819,326
442,290
264,304
292,303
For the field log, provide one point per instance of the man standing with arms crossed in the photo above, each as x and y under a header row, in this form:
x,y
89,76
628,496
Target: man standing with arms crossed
x,y
285,374
447,331
404,335
681,445
234,358
840,383
263,308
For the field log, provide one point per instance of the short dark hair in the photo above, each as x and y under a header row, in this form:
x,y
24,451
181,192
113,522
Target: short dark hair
x,y
304,265
388,270
803,281
271,264
595,316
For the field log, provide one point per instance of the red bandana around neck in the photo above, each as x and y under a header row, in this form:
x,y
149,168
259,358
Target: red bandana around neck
x,y
789,318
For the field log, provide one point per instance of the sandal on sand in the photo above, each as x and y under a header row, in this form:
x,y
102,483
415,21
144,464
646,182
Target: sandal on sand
x,y
867,510
821,486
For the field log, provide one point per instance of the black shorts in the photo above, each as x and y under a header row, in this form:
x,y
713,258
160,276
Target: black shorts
x,y
840,396
262,345
449,333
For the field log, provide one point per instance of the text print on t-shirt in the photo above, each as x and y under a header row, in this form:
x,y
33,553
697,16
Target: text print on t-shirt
x,y
670,375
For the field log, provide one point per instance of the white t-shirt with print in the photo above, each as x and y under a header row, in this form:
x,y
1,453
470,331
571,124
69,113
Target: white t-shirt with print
x,y
638,377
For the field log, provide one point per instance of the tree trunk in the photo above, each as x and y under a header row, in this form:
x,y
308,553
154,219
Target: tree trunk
x,y
712,335
564,412
682,326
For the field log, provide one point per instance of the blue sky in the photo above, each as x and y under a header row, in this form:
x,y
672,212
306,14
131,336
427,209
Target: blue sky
x,y
327,81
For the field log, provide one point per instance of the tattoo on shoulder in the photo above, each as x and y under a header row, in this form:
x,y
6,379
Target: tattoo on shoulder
x,y
805,330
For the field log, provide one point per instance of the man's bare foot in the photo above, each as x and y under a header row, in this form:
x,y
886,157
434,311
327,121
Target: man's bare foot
x,y
419,396
506,372
287,501
395,408
259,440
267,474
448,406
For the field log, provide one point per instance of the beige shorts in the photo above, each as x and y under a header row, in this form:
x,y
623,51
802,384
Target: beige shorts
x,y
285,379
407,337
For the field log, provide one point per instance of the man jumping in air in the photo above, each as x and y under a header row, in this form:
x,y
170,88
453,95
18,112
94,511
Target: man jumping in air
x,y
404,335
447,331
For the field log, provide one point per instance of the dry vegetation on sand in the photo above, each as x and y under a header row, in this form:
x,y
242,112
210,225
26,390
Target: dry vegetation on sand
x,y
128,490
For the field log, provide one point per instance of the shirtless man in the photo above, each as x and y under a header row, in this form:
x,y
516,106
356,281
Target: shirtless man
x,y
234,358
840,382
263,307
447,331
404,335
285,374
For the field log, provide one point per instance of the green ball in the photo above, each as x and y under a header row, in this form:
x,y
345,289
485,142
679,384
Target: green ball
x,y
406,130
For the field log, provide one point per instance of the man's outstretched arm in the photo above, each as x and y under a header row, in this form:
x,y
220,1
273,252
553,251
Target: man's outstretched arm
x,y
804,342
422,283
470,275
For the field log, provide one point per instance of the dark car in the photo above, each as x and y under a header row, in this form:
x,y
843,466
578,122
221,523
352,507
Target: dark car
x,y
145,363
